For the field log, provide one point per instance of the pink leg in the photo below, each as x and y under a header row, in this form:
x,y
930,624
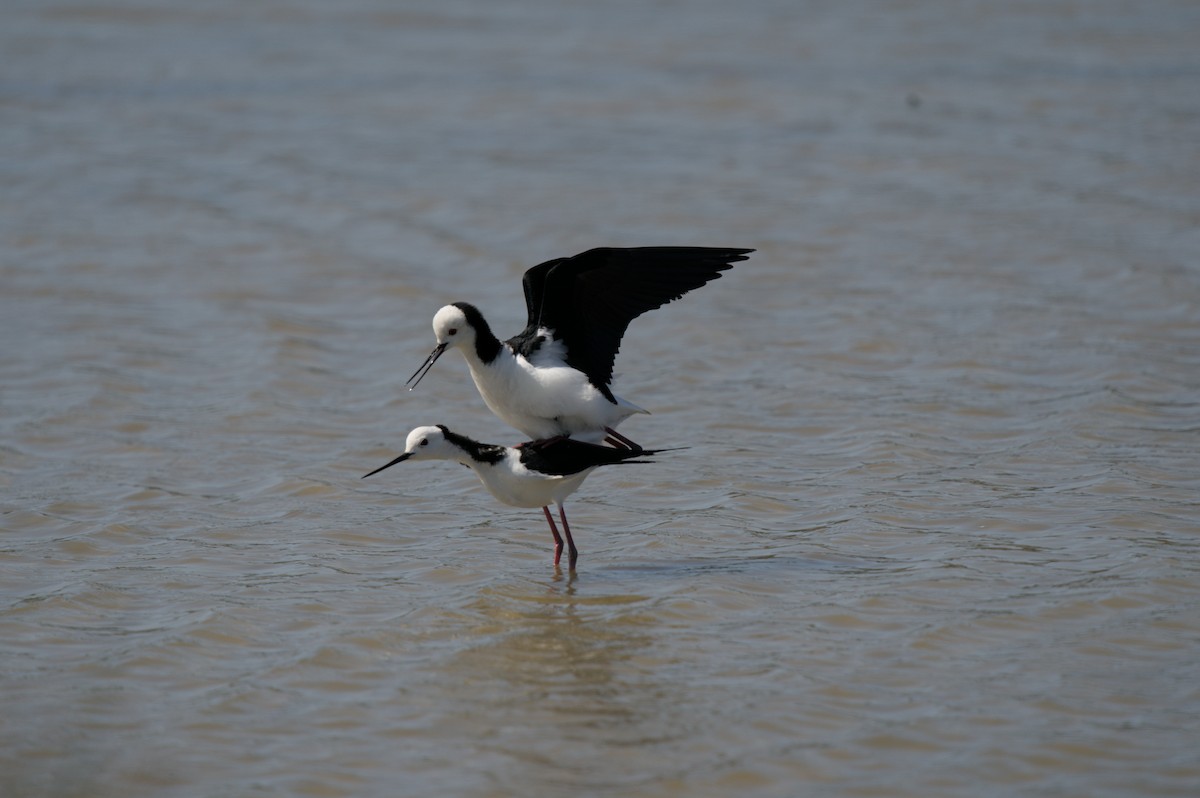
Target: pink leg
x,y
619,441
558,546
540,442
572,552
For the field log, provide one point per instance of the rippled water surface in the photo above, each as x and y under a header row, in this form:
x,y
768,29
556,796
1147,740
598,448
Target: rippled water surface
x,y
936,530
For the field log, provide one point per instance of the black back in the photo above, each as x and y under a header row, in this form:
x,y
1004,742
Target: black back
x,y
567,456
589,299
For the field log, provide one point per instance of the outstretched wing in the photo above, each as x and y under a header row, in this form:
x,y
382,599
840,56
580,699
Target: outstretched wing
x,y
589,300
534,283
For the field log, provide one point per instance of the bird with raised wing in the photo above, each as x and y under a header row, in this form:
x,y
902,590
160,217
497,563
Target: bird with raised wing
x,y
553,378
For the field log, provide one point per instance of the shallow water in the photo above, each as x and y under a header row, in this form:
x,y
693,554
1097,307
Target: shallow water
x,y
936,530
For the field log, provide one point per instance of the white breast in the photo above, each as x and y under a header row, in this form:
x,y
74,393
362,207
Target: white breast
x,y
543,397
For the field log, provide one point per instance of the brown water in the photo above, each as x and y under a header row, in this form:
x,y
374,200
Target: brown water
x,y
937,530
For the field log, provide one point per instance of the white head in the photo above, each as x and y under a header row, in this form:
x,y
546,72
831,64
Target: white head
x,y
454,326
427,443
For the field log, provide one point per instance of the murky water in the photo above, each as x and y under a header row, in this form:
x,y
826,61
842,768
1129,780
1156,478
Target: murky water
x,y
937,530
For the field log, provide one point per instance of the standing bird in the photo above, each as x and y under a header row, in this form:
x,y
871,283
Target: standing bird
x,y
532,474
552,379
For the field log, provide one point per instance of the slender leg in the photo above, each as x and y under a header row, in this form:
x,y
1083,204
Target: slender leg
x,y
558,546
572,552
619,441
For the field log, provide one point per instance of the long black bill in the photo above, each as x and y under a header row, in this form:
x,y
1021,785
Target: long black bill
x,y
399,459
420,373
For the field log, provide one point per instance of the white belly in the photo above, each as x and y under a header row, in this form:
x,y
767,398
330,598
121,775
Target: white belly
x,y
511,483
546,401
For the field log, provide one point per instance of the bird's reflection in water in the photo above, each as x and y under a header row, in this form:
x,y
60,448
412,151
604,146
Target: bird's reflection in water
x,y
569,661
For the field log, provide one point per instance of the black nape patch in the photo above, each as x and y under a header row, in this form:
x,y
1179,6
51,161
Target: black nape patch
x,y
487,345
487,453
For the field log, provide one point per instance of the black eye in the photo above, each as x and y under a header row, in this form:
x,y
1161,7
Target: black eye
x,y
424,441
453,331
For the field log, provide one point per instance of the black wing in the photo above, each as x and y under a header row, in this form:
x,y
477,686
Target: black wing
x,y
567,456
534,283
589,300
